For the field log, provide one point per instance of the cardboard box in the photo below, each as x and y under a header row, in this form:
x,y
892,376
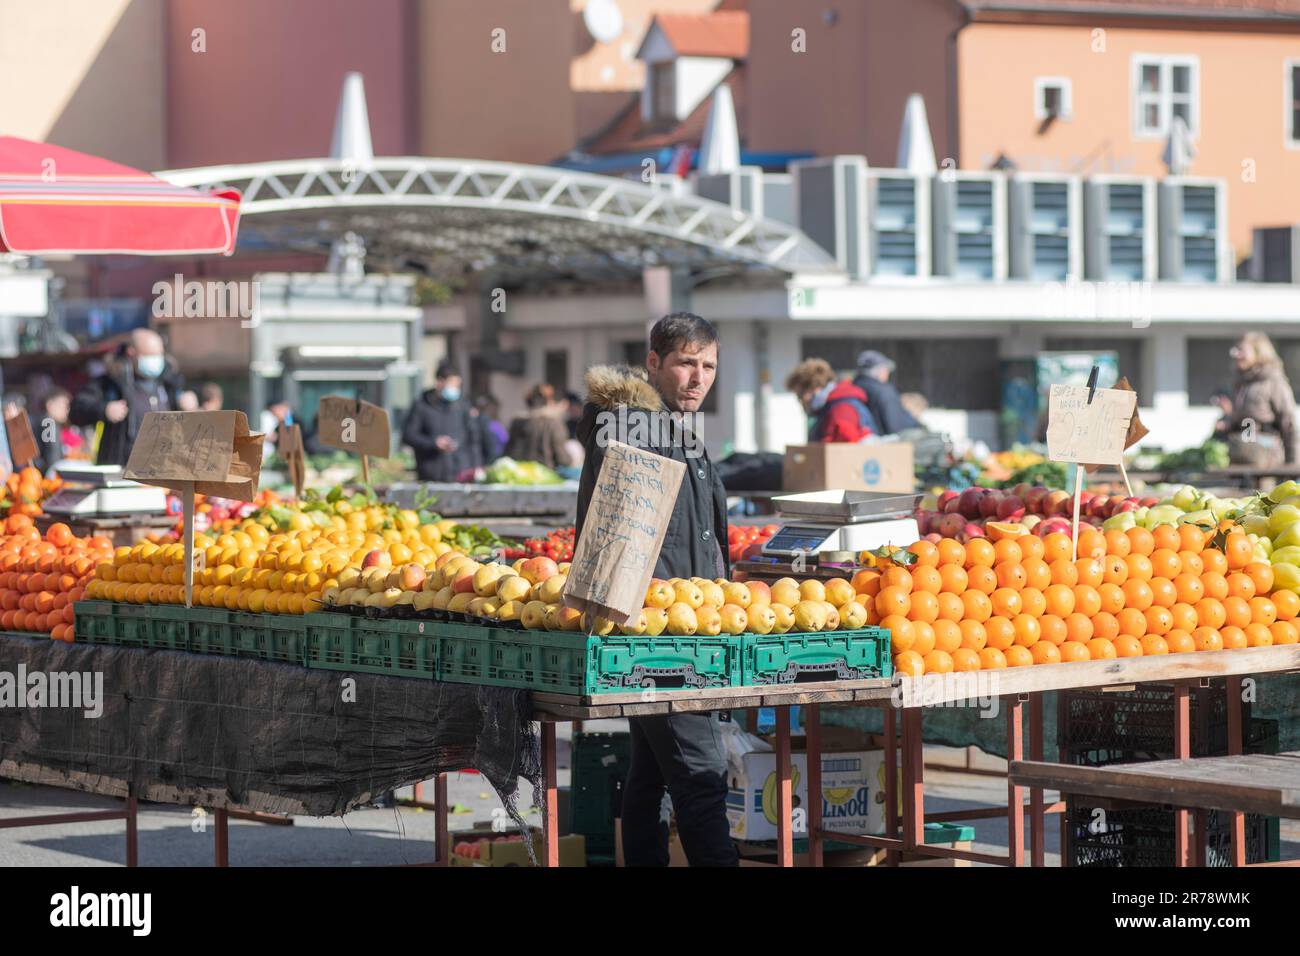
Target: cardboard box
x,y
507,849
885,466
853,794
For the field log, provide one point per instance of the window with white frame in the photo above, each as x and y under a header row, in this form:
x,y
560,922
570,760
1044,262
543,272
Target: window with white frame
x,y
1164,87
1052,98
1291,101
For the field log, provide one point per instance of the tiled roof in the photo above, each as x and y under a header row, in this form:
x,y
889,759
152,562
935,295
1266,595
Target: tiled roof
x,y
722,33
629,134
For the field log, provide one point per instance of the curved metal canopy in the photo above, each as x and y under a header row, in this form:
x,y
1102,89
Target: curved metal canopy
x,y
455,217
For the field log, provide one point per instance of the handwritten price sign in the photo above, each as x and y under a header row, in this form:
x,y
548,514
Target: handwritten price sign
x,y
1088,433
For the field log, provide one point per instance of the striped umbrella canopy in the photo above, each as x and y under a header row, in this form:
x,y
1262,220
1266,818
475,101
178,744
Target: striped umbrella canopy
x,y
56,200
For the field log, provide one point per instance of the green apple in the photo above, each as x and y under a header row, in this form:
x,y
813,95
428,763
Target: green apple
x,y
1163,514
1203,517
1288,554
1283,491
1289,537
1283,516
1185,497
1255,524
1286,576
1120,522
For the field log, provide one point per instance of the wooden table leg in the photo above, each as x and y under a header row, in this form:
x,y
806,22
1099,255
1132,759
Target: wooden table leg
x,y
222,837
1037,850
1015,794
1182,751
1061,753
1236,820
551,822
913,780
812,719
442,833
132,837
784,792
891,780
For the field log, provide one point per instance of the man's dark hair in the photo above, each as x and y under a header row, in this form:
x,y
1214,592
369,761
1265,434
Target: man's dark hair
x,y
446,370
679,329
210,391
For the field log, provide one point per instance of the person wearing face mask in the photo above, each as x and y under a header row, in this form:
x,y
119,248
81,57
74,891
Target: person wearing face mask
x,y
140,379
446,438
837,410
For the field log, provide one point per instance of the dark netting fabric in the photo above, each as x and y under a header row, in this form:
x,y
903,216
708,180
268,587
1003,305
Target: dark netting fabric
x,y
256,735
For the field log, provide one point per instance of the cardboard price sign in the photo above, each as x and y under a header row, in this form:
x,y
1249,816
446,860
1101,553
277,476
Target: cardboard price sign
x,y
354,425
623,532
22,443
289,443
1088,433
212,453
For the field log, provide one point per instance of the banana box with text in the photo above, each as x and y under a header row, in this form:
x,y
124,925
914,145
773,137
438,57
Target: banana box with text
x,y
853,794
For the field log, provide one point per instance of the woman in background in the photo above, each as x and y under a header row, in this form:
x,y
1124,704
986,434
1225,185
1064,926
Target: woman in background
x,y
1261,424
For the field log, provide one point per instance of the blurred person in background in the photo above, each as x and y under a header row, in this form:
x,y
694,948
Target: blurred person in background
x,y
874,372
139,379
838,409
488,411
1261,422
273,416
541,435
573,413
210,397
56,439
446,438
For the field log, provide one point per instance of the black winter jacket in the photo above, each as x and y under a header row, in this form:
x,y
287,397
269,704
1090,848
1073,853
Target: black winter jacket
x,y
120,382
431,416
885,404
695,544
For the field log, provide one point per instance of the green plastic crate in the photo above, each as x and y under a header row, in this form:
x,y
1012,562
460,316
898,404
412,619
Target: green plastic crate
x,y
268,637
599,766
825,655
342,642
131,625
211,632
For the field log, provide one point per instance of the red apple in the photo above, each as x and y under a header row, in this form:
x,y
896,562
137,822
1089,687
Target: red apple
x,y
537,570
934,537
1127,504
969,503
946,496
972,530
1021,489
989,504
950,525
1148,502
1033,499
1011,508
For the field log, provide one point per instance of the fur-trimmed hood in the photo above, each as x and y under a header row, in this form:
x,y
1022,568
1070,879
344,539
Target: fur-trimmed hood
x,y
609,386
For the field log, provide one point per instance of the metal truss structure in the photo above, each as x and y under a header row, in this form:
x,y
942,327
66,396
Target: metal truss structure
x,y
452,218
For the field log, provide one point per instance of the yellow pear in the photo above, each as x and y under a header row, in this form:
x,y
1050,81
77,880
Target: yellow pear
x,y
424,600
552,589
656,621
635,626
784,618
812,590
533,616
839,591
809,615
442,598
708,620
786,591
512,587
681,618
459,603
712,594
510,610
595,624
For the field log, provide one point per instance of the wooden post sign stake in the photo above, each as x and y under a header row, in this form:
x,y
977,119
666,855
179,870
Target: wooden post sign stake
x,y
623,533
210,453
22,443
289,444
1087,426
356,426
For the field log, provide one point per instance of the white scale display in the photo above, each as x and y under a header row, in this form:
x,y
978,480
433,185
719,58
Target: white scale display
x,y
101,490
841,521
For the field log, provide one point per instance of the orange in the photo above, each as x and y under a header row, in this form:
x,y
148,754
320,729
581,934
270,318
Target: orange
x,y
938,662
1006,602
1132,621
867,581
1027,629
927,554
1154,644
965,659
1141,540
973,635
1192,562
978,607
954,578
1091,571
1137,594
1236,611
1284,632
922,638
1092,544
1287,603
1258,635
1234,638
909,664
992,659
1032,602
925,606
1165,563
1087,600
924,579
1031,548
893,601
1207,639
1058,546
951,552
1060,599
1078,627
1163,592
1064,572
1237,549
1112,598
1139,567
1214,560
1114,569
1101,650
947,636
981,578
1262,575
1045,653
1000,632
1011,574
1051,630
1180,642
1126,645
1262,611
1037,573
1159,620
1215,584
1018,656
896,577
1166,536
1191,538
1189,588
951,607
1007,551
1241,585
1117,543
1106,625
980,553
1185,617
1074,651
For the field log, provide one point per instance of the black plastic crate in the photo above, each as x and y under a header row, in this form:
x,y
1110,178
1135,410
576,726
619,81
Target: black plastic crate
x,y
1098,729
599,768
1144,836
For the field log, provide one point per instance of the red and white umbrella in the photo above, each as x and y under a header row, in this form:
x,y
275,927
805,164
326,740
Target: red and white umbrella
x,y
56,200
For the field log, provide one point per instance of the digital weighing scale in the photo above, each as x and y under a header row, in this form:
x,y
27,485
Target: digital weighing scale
x,y
101,490
817,522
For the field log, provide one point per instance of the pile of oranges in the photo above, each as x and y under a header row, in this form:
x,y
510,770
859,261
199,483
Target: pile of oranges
x,y
41,577
24,491
1025,600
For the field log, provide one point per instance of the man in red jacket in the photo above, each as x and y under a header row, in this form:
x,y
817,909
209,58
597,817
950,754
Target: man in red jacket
x,y
838,409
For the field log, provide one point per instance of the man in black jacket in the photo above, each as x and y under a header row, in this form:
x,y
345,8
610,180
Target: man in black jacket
x,y
874,371
446,439
680,753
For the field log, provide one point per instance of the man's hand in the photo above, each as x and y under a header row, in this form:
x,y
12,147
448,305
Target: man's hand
x,y
116,411
445,443
187,401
